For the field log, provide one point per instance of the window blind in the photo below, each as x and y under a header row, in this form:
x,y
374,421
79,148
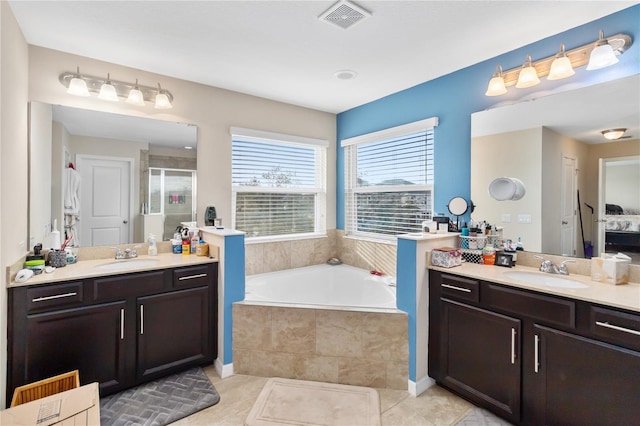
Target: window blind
x,y
278,187
389,184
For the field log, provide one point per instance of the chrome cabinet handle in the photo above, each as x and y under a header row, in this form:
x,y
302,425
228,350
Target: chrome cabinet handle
x,y
122,324
536,354
617,327
453,287
190,277
57,296
141,320
513,345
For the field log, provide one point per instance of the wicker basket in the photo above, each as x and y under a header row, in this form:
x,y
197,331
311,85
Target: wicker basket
x,y
46,387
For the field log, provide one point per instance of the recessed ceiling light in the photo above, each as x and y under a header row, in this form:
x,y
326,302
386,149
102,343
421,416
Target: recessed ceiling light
x,y
345,74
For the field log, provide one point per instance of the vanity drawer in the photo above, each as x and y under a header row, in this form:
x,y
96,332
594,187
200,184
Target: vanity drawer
x,y
538,307
615,327
131,285
54,296
194,276
459,288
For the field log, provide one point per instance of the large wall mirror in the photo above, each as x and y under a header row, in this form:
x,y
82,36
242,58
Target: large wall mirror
x,y
555,145
106,178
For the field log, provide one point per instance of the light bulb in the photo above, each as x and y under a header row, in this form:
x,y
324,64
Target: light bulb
x,y
162,100
77,86
528,75
108,91
561,66
496,84
135,96
603,54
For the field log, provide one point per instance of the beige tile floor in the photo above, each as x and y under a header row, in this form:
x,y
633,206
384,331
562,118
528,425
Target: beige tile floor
x,y
238,393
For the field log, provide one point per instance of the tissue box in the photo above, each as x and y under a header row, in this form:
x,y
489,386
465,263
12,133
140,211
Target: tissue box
x,y
446,257
612,270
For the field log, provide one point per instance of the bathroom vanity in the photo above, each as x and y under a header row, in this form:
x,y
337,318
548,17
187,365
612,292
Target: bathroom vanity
x,y
119,329
536,356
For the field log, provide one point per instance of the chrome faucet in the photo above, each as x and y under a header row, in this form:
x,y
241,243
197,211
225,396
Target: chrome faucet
x,y
128,253
550,268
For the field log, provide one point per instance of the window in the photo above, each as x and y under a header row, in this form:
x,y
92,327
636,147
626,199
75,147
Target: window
x,y
278,184
389,180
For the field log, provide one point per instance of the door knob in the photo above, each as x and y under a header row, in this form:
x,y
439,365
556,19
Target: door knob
x,y
564,222
125,221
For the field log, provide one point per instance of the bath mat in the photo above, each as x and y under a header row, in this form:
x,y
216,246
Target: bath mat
x,y
300,402
159,402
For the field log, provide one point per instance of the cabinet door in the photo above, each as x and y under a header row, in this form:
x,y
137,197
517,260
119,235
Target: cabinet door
x,y
581,381
174,331
480,356
90,339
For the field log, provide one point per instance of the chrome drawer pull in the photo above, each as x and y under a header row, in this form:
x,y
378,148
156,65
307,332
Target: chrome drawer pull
x,y
452,287
616,327
122,324
513,346
141,320
536,355
190,277
57,296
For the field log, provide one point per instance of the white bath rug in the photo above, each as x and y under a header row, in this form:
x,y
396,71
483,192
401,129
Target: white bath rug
x,y
300,402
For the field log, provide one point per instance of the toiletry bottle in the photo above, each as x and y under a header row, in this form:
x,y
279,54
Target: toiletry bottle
x,y
55,236
153,248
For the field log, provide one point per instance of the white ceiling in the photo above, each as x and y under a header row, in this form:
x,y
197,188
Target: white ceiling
x,y
581,114
281,51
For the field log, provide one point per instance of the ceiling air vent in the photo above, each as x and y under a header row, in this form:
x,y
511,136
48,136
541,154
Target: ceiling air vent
x,y
344,14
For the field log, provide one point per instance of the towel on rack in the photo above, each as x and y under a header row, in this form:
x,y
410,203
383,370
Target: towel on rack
x,y
71,186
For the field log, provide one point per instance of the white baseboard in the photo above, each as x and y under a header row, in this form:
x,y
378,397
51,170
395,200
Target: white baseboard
x,y
422,385
223,370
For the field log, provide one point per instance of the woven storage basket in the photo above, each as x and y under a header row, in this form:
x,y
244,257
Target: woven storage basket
x,y
46,387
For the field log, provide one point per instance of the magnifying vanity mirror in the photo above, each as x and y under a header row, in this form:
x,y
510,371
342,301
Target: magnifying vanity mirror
x,y
555,145
108,178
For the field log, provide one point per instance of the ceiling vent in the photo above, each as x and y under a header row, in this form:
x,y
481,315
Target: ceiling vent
x,y
344,14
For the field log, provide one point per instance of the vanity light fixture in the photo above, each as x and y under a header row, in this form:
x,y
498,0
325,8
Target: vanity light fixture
x,y
561,66
496,84
613,134
528,75
595,55
83,85
77,86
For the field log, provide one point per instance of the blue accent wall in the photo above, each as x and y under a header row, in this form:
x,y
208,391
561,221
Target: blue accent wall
x,y
233,287
454,97
406,293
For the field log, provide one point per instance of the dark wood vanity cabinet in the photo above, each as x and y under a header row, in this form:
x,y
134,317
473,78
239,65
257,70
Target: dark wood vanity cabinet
x,y
533,358
119,330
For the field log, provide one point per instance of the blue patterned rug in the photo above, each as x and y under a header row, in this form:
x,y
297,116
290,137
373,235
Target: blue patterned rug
x,y
159,402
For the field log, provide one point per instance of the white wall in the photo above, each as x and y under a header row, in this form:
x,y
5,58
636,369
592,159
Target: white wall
x,y
622,185
41,130
493,156
13,162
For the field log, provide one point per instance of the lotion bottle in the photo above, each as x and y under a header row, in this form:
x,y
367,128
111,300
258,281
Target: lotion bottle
x,y
153,248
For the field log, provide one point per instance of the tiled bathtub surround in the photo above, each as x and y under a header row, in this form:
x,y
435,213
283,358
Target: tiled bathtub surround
x,y
280,255
336,346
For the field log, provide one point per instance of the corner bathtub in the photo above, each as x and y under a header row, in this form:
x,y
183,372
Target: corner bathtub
x,y
326,285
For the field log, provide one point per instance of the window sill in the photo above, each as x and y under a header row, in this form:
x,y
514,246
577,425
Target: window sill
x,y
391,242
277,238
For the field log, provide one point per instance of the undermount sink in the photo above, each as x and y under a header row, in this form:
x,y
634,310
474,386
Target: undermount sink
x,y
127,264
544,279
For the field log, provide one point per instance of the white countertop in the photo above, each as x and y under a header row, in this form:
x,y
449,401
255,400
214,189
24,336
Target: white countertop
x,y
91,268
625,296
420,236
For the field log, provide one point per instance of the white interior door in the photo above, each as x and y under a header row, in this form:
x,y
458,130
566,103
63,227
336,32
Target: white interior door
x,y
105,200
568,207
602,197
